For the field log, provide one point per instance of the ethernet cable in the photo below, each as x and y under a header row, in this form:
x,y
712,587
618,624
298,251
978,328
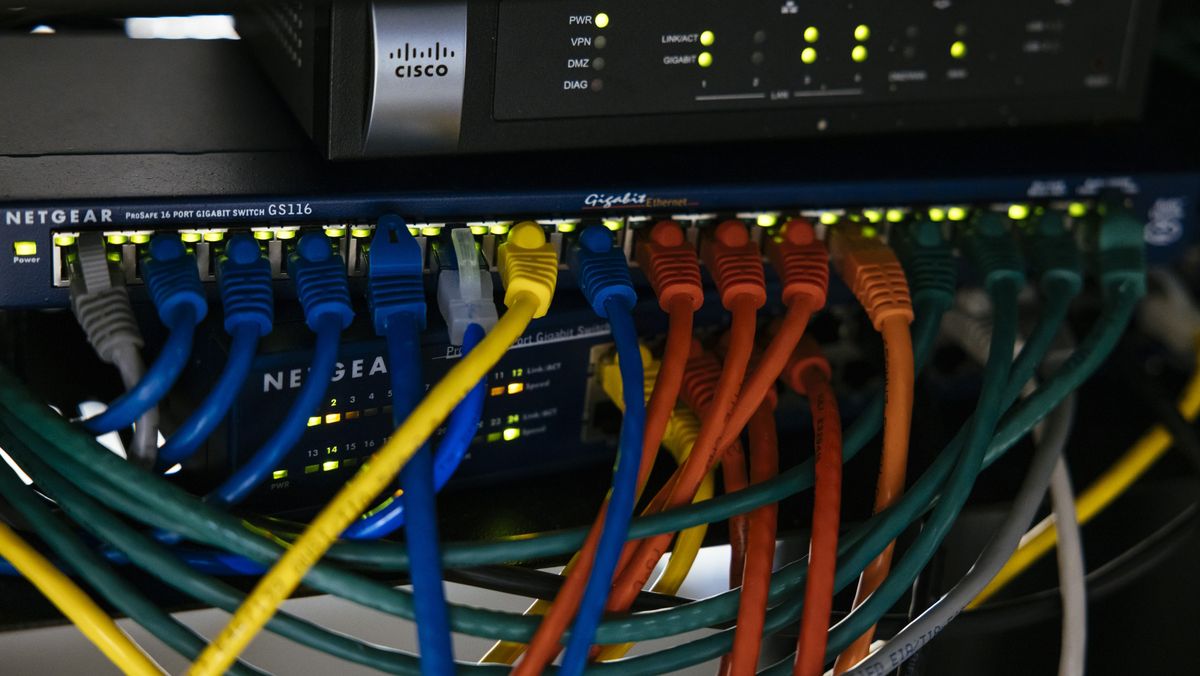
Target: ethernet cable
x,y
166,565
465,301
173,281
877,279
1115,481
320,278
100,303
244,279
73,602
989,245
678,437
1004,541
528,268
87,564
185,515
396,296
1116,252
1055,260
1071,573
673,270
516,549
605,281
760,545
808,374
735,264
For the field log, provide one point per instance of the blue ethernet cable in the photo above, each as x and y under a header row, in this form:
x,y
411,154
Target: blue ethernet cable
x,y
604,278
396,297
466,303
324,292
460,430
244,278
174,284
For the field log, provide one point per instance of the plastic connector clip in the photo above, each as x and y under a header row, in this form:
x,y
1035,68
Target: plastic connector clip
x,y
464,289
321,283
928,262
395,275
671,266
173,279
735,264
244,278
1052,252
528,264
990,245
873,273
802,263
700,379
601,270
1116,251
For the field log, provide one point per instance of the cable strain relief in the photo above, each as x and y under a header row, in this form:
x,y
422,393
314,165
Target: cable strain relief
x,y
601,270
735,264
321,283
989,244
1117,251
671,266
528,265
108,321
802,263
173,279
244,280
700,377
928,262
395,275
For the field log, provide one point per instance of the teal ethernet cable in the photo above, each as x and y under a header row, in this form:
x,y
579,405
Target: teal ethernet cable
x,y
87,564
605,281
174,283
989,245
396,297
321,284
244,279
165,564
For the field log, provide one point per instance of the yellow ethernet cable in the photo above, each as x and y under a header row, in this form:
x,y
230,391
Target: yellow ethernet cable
x,y
1111,485
98,627
529,270
678,437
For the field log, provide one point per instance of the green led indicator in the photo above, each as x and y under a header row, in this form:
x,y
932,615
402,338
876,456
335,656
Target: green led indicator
x,y
263,235
809,55
64,240
1018,212
766,220
140,238
312,469
1077,210
511,433
705,59
812,34
862,32
190,237
707,38
873,215
565,227
602,20
937,214
613,224
212,236
958,49
859,54
828,218
279,474
117,240
957,213
360,233
870,232
895,215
